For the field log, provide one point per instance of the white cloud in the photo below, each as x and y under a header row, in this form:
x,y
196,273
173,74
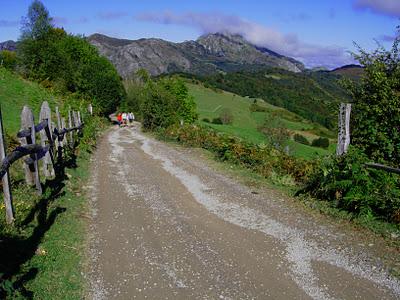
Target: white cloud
x,y
385,7
286,44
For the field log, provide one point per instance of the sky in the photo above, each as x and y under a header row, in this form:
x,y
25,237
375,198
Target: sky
x,y
316,32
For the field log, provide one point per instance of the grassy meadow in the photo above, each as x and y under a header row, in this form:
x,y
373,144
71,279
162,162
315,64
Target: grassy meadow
x,y
246,123
16,92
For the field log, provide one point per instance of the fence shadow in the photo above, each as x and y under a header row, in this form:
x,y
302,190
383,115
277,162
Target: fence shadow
x,y
16,251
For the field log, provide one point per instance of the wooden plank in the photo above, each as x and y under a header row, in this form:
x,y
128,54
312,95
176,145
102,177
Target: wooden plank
x,y
71,134
6,178
383,167
63,126
31,171
46,139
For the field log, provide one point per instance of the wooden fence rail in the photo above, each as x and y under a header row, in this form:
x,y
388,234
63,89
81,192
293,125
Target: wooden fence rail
x,y
52,142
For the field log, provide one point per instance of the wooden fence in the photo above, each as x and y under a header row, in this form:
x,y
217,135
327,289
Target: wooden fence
x,y
53,140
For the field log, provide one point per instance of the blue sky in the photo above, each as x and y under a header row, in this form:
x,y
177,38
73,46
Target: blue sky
x,y
317,32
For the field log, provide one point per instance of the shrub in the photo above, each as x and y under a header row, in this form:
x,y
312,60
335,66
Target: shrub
x,y
350,186
320,142
207,120
301,139
8,59
254,107
226,116
217,121
263,159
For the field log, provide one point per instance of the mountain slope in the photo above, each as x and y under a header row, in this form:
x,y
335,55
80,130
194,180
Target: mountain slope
x,y
314,96
208,54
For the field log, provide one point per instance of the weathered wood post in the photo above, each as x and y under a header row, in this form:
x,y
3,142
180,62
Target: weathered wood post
x,y
59,140
343,129
90,109
71,134
64,139
45,115
6,178
31,171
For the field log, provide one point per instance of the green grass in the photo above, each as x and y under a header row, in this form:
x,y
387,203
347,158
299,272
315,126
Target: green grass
x,y
246,123
42,254
16,92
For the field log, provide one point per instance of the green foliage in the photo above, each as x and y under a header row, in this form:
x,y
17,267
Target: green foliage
x,y
38,22
313,96
186,105
263,159
159,103
275,132
254,107
217,121
158,108
68,64
207,120
8,59
350,186
375,120
321,142
301,139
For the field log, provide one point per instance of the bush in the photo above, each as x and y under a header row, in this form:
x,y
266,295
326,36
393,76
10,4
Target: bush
x,y
226,116
301,139
254,107
8,59
263,159
217,121
350,186
320,142
207,120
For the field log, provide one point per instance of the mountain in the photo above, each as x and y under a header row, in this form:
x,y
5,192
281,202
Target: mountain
x,y
208,54
350,71
8,45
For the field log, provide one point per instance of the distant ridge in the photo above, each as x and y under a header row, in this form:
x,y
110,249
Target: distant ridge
x,y
208,54
8,45
352,71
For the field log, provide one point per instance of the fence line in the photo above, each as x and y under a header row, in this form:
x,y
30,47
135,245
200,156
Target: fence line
x,y
50,136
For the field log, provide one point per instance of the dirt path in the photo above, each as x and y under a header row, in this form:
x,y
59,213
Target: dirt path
x,y
167,226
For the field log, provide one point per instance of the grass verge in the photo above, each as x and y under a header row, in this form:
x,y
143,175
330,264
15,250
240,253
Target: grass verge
x,y
42,254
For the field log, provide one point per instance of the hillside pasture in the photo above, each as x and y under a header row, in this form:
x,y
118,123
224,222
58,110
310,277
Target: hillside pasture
x,y
245,123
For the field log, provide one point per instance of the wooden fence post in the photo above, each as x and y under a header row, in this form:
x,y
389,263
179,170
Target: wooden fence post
x,y
71,134
45,114
64,140
6,178
31,171
343,129
59,141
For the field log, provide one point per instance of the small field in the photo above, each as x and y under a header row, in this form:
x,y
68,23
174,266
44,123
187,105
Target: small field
x,y
246,123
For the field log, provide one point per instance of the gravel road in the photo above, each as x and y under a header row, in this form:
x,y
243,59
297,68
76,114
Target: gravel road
x,y
167,225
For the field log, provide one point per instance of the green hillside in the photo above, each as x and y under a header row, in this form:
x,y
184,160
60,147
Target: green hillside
x,y
313,95
245,123
15,93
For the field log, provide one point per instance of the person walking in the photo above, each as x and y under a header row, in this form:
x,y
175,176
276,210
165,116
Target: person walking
x,y
119,119
125,118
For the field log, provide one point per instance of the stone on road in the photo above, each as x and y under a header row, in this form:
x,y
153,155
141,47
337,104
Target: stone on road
x,y
166,225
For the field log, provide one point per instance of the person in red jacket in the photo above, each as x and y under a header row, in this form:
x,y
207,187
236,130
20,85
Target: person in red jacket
x,y
119,119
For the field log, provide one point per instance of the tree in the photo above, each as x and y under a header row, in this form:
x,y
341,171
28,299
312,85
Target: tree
x,y
375,123
37,23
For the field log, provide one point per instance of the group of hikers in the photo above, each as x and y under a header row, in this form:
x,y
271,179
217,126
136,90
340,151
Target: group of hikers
x,y
125,119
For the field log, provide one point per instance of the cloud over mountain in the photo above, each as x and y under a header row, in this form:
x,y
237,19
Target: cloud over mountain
x,y
286,44
385,7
